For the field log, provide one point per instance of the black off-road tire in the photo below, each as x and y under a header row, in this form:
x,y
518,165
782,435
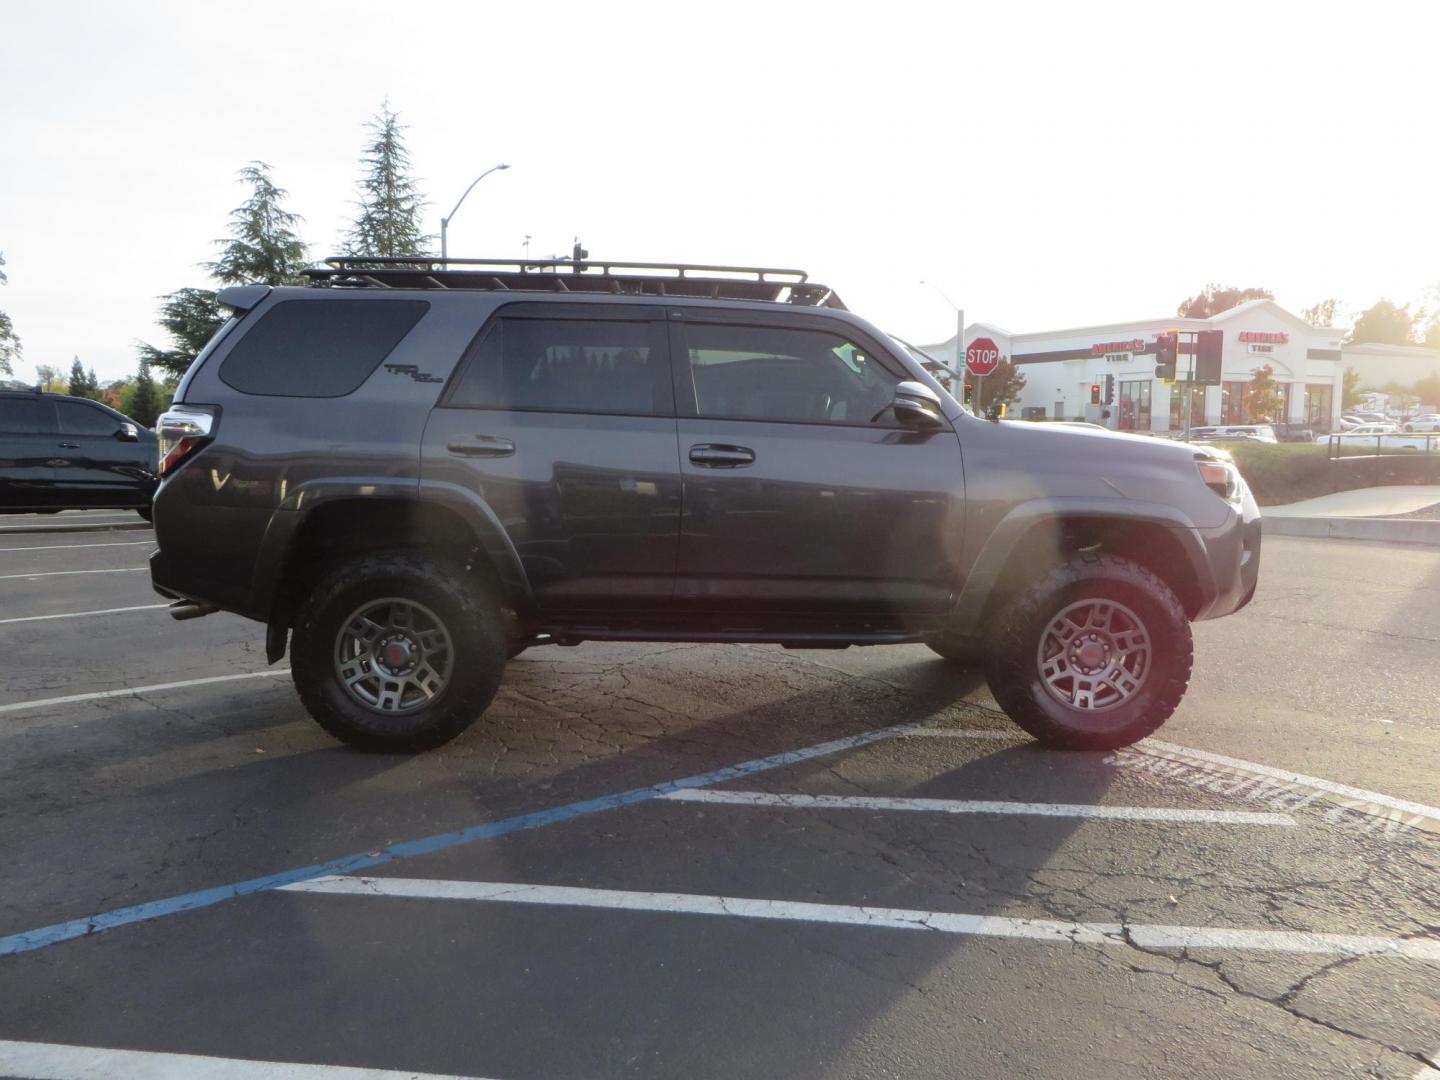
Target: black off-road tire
x,y
1013,669
959,650
145,512
470,614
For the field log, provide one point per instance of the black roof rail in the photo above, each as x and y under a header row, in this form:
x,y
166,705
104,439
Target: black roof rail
x,y
576,276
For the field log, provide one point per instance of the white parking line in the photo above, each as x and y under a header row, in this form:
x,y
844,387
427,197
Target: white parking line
x,y
1158,748
138,526
77,547
969,806
80,614
945,922
52,1061
131,691
67,573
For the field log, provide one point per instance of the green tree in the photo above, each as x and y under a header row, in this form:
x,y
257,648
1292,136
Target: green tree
x,y
390,204
191,316
1349,389
1001,385
1321,313
263,247
79,387
9,342
1263,399
144,405
1383,323
1214,299
1428,390
47,377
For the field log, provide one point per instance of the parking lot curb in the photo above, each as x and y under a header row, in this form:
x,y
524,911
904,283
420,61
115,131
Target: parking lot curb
x,y
1393,530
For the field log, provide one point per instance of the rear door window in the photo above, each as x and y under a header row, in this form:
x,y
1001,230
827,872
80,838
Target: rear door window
x,y
19,416
77,418
318,348
575,365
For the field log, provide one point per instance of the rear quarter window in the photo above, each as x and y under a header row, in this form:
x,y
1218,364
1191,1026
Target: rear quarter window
x,y
318,348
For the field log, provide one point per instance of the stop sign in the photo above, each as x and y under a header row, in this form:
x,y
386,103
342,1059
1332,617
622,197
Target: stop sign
x,y
982,357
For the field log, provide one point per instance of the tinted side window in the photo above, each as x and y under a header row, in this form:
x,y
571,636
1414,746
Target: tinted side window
x,y
77,418
784,374
318,348
568,365
19,417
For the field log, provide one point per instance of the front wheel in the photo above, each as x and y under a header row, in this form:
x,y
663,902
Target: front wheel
x,y
1094,655
395,653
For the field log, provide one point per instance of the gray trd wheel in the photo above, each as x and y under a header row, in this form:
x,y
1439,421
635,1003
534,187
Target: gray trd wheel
x,y
393,652
1094,655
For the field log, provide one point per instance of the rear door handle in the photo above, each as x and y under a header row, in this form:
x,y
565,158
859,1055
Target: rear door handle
x,y
69,445
721,456
487,446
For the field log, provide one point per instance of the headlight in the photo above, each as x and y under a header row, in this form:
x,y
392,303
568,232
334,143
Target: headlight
x,y
1224,479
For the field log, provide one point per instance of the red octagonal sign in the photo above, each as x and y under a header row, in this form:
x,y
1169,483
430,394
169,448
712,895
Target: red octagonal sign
x,y
982,357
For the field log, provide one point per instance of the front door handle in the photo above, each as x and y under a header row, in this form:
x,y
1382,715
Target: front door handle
x,y
721,456
487,446
69,445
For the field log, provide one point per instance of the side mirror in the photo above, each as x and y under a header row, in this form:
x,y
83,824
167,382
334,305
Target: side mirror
x,y
127,433
916,405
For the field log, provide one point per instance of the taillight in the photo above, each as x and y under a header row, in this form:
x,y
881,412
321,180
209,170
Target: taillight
x,y
182,430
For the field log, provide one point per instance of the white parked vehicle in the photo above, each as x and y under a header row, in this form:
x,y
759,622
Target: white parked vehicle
x,y
1379,437
1428,423
1264,433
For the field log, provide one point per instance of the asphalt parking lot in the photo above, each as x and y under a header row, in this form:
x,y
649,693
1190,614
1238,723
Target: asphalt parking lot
x,y
702,861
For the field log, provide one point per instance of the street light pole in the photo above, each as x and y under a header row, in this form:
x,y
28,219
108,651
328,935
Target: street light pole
x,y
959,345
445,221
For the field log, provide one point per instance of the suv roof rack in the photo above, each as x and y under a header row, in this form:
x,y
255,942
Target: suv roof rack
x,y
580,276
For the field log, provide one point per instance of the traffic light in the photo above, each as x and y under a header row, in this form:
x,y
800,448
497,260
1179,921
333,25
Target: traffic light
x,y
1109,389
1208,346
1094,393
969,394
1166,347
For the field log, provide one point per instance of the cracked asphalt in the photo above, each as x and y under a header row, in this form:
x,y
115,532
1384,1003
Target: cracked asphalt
x,y
114,801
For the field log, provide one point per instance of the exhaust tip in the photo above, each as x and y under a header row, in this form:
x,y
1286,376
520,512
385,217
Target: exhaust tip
x,y
190,609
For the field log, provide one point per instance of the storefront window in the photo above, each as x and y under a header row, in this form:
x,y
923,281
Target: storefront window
x,y
1318,402
1197,406
1135,405
1232,403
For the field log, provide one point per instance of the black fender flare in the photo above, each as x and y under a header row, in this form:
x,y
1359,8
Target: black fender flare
x,y
989,564
301,502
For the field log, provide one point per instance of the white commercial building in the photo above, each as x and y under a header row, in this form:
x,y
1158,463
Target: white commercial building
x,y
1062,366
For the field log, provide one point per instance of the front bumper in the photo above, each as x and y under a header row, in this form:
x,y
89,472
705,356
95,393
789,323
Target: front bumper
x,y
1233,551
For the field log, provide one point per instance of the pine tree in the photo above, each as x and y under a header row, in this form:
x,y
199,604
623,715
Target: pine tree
x,y
9,343
191,316
144,401
390,205
79,384
263,246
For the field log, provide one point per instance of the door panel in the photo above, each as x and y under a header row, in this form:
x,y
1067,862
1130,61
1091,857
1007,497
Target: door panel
x,y
825,518
92,466
27,444
590,499
803,492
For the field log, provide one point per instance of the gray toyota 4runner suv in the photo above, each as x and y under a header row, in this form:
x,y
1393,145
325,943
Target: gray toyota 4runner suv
x,y
414,470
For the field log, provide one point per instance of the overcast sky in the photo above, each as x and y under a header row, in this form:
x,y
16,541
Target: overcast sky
x,y
1048,165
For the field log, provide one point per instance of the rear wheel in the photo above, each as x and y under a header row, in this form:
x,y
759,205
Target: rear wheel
x,y
396,653
1095,655
959,650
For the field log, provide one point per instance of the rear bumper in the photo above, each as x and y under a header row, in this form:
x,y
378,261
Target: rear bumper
x,y
1233,551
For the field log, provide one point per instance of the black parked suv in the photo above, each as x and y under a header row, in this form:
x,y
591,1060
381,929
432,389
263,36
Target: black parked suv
x,y
66,453
415,470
